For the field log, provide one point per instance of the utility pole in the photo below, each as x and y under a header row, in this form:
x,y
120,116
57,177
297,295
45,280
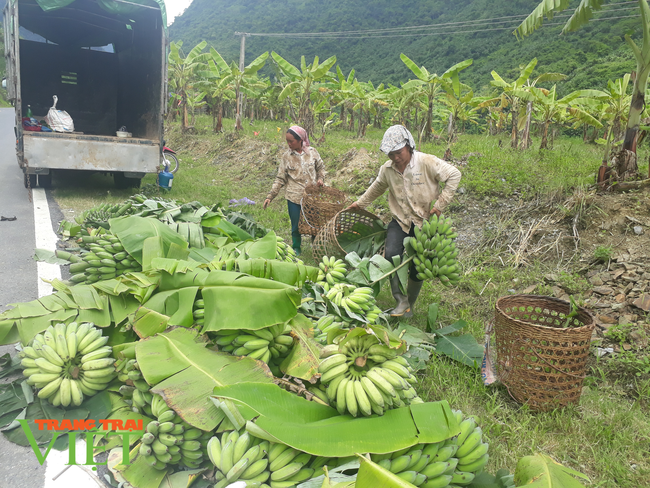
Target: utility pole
x,y
242,55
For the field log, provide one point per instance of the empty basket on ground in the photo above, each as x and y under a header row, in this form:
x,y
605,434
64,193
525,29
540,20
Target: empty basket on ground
x,y
345,225
319,204
542,354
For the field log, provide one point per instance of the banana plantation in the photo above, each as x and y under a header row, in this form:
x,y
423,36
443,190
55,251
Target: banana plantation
x,y
319,97
246,364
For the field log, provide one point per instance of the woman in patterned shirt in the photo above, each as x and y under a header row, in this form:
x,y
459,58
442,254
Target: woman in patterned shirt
x,y
300,166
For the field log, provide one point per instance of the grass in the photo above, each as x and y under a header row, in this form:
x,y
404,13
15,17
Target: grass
x,y
607,436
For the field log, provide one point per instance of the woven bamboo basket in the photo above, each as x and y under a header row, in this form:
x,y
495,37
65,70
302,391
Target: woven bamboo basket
x,y
326,242
318,205
541,361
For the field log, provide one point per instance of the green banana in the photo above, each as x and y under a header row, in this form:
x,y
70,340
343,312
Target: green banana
x,y
476,465
477,453
472,441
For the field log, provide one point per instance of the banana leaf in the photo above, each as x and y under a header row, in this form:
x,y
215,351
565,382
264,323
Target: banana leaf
x,y
372,475
176,304
266,247
375,270
225,228
139,474
303,360
364,239
289,273
541,471
319,430
243,302
151,249
185,373
132,232
47,256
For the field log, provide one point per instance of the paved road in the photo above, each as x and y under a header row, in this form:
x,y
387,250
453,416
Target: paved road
x,y
19,467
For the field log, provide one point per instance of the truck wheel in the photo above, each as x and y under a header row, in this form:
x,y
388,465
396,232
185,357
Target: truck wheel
x,y
122,182
45,181
29,180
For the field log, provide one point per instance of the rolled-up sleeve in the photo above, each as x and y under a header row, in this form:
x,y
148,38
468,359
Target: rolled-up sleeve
x,y
320,168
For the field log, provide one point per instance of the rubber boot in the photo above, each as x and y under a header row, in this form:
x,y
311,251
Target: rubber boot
x,y
296,241
413,291
402,305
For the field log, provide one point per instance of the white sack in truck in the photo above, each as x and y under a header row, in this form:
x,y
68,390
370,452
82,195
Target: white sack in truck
x,y
59,120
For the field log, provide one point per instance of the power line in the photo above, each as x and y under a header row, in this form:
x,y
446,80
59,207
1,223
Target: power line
x,y
359,34
511,27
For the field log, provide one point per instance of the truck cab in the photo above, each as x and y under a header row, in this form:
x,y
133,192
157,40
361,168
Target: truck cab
x,y
106,62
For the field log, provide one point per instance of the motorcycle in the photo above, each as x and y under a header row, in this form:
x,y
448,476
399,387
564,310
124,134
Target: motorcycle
x,y
170,160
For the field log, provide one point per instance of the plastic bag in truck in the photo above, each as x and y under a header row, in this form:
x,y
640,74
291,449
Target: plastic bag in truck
x,y
59,120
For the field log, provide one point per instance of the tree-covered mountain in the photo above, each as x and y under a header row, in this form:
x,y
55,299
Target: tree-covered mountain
x,y
589,57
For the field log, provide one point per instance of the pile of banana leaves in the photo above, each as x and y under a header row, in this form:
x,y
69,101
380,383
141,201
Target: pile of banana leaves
x,y
244,287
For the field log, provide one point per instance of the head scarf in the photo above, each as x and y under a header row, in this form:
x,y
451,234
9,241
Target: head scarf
x,y
395,138
302,134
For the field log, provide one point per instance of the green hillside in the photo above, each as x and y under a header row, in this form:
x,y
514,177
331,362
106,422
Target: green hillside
x,y
590,56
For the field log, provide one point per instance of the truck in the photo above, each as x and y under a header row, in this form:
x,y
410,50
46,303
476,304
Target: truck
x,y
106,61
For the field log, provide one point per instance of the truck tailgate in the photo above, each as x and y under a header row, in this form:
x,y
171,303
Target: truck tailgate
x,y
89,152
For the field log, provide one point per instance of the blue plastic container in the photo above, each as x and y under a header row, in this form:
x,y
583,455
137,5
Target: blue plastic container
x,y
165,179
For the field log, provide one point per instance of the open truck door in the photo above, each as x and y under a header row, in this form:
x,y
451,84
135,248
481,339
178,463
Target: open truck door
x,y
106,61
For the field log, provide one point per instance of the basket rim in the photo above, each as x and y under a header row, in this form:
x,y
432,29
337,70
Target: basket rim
x,y
335,218
546,298
359,211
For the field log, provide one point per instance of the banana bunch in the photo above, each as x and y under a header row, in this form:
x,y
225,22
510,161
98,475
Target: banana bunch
x,y
439,465
170,440
198,312
283,252
99,216
105,260
421,465
325,324
136,390
270,345
472,452
331,271
68,362
365,377
128,370
319,391
435,251
356,301
427,465
138,398
288,466
239,457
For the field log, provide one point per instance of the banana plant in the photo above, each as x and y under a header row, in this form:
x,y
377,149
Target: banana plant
x,y
461,105
300,85
338,97
365,98
551,109
531,82
432,83
582,14
507,98
182,73
242,82
217,89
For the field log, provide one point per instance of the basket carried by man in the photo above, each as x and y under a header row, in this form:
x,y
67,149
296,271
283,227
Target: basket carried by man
x,y
350,230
